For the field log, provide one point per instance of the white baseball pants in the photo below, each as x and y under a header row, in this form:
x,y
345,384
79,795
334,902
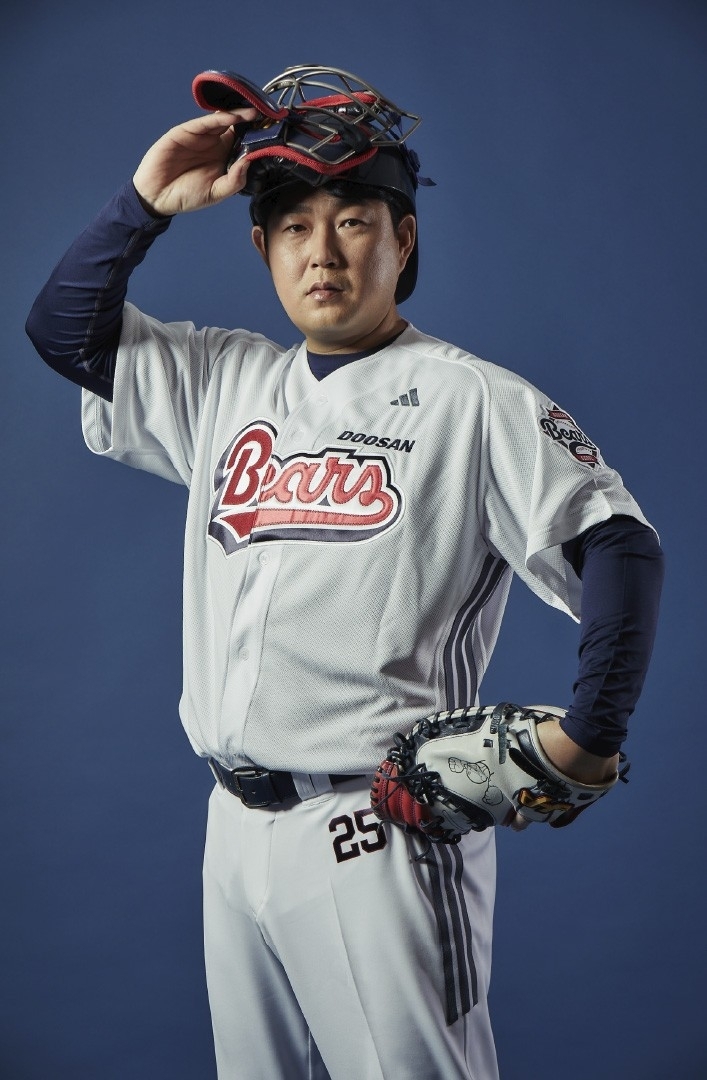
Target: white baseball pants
x,y
331,954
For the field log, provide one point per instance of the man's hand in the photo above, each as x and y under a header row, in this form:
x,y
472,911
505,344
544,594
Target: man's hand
x,y
186,169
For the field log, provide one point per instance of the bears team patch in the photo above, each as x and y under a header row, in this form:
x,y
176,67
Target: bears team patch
x,y
561,428
332,495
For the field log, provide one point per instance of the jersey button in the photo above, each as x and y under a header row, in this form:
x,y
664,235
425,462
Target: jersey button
x,y
243,653
263,558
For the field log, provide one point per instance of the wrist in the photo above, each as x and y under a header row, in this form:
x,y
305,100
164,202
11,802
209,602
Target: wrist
x,y
147,205
573,760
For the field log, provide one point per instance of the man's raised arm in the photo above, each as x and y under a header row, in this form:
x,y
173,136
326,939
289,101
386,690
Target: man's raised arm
x,y
76,320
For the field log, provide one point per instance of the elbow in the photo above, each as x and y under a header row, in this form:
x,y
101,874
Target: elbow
x,y
38,330
32,326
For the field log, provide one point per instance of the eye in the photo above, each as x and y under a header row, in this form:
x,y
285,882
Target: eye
x,y
352,222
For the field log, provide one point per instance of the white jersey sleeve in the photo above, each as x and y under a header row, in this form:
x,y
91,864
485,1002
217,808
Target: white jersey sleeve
x,y
162,378
543,482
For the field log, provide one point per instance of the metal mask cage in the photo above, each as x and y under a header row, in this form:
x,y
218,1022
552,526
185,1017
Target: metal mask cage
x,y
337,107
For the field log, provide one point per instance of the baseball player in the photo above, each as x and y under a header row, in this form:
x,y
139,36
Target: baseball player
x,y
357,507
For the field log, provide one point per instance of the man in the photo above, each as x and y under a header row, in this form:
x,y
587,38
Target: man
x,y
357,507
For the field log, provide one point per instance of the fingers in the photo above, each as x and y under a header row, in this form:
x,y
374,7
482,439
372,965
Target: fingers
x,y
216,122
243,115
233,181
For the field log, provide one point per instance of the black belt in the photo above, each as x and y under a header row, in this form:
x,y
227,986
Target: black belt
x,y
259,788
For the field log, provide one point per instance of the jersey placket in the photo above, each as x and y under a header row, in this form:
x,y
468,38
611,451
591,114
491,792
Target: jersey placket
x,y
297,432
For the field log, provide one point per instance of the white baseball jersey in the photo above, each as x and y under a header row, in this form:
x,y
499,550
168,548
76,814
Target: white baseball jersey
x,y
349,542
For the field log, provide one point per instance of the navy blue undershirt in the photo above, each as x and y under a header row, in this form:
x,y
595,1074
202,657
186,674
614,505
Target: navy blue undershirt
x,y
75,326
322,364
76,320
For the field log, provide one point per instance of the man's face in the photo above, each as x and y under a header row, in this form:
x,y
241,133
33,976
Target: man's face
x,y
335,267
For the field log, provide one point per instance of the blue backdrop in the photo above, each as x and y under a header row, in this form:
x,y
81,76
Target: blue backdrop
x,y
566,240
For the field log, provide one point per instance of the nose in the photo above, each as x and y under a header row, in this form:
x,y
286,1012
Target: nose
x,y
325,250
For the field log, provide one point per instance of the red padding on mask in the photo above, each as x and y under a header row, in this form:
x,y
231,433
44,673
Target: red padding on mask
x,y
337,99
301,158
249,94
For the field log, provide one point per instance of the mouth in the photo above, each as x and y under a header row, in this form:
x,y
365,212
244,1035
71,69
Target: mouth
x,y
324,290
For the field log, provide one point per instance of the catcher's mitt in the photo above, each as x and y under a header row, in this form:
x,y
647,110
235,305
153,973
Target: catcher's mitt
x,y
473,768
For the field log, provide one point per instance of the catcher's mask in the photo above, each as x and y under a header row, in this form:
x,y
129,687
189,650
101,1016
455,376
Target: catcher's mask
x,y
317,125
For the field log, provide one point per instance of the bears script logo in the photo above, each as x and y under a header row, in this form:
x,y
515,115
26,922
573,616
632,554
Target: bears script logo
x,y
561,428
332,495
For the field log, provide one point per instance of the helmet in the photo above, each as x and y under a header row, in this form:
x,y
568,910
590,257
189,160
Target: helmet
x,y
319,124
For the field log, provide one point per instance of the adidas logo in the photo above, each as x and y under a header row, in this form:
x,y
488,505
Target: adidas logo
x,y
410,398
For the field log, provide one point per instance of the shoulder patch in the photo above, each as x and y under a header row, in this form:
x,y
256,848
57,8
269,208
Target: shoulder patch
x,y
561,428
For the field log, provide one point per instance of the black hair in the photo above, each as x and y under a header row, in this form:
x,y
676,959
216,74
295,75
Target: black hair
x,y
346,190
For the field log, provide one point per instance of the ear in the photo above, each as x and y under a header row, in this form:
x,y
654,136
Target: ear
x,y
406,233
258,237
